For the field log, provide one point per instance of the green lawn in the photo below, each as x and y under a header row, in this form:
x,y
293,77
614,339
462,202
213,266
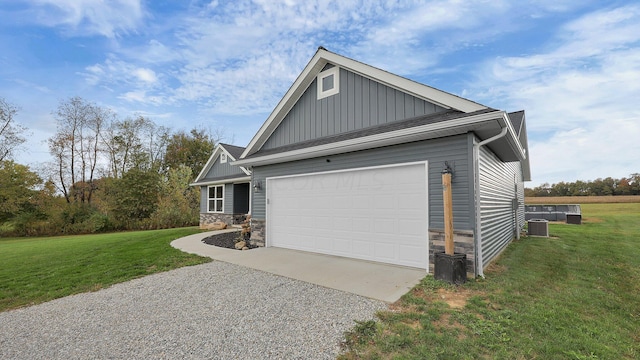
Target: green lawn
x,y
575,295
35,270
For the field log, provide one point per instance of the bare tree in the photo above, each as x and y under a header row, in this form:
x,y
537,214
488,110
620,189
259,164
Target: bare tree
x,y
76,146
133,143
11,134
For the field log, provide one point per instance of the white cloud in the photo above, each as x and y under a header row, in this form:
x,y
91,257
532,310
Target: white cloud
x,y
581,97
89,17
145,75
118,74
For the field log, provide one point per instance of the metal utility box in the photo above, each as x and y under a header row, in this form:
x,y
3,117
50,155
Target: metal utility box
x,y
574,219
450,268
538,227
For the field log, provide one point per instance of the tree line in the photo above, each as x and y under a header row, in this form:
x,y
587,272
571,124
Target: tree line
x,y
600,187
107,173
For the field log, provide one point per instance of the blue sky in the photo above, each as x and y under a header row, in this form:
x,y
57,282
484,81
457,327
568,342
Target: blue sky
x,y
573,66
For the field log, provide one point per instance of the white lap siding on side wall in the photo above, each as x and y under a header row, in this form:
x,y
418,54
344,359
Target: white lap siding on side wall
x,y
499,184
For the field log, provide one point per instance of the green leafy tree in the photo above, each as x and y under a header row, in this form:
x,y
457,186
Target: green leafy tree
x,y
192,149
134,197
178,203
18,190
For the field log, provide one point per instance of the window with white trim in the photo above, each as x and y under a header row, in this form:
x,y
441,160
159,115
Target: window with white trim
x,y
215,197
223,158
328,82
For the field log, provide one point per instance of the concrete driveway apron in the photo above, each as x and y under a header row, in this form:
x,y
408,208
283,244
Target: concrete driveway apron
x,y
370,279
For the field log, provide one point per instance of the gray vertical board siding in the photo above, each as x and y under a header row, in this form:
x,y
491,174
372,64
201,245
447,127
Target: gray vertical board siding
x,y
361,103
436,152
219,169
204,199
500,184
228,198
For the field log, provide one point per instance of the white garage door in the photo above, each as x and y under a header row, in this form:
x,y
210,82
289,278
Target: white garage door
x,y
377,214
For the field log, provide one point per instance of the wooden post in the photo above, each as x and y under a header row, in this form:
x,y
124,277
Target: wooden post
x,y
448,212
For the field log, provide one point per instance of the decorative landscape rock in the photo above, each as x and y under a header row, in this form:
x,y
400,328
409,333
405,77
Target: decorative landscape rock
x,y
218,225
240,244
226,240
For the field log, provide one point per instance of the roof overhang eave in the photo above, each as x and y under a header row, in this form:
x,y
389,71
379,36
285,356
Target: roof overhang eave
x,y
489,122
221,181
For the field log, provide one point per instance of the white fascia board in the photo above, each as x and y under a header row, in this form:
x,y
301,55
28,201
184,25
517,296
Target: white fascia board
x,y
223,181
286,103
512,138
320,59
209,164
244,170
378,140
439,97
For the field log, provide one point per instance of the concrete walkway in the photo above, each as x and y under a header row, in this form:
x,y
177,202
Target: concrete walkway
x,y
370,279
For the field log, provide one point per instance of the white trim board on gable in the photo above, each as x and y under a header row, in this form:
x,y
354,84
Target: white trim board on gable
x,y
315,66
220,149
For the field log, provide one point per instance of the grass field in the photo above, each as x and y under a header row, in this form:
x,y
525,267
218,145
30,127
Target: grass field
x,y
35,270
551,200
575,295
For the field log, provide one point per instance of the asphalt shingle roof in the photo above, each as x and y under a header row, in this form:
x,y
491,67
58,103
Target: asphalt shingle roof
x,y
374,130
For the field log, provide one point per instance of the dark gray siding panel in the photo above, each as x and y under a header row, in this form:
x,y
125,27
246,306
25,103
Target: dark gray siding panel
x,y
500,184
361,103
220,170
453,150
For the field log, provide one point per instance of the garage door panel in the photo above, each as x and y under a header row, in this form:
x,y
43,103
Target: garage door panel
x,y
372,214
342,245
410,227
385,251
409,252
384,226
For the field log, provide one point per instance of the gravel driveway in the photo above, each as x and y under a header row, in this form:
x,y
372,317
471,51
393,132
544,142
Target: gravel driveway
x,y
211,311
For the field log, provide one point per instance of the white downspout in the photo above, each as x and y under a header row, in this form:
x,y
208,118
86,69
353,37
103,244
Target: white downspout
x,y
476,160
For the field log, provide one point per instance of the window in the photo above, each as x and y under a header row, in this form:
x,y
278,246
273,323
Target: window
x,y
216,198
223,158
328,82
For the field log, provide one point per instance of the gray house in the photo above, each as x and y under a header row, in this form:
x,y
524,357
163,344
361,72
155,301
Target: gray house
x,y
349,163
224,188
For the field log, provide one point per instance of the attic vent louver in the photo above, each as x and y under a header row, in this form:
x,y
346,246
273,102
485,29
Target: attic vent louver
x,y
328,82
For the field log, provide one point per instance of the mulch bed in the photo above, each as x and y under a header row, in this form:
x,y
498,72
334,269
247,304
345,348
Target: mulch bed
x,y
225,240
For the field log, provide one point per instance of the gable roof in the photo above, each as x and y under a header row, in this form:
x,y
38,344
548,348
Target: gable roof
x,y
232,151
323,57
520,126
